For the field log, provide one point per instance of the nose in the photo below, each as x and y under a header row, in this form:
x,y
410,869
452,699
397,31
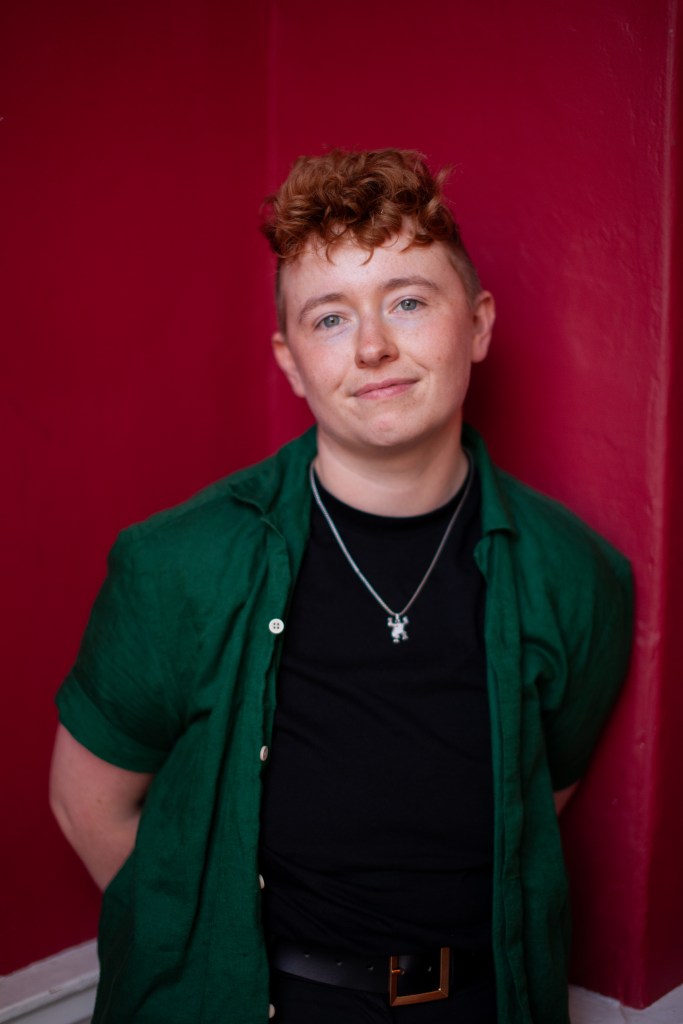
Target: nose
x,y
375,343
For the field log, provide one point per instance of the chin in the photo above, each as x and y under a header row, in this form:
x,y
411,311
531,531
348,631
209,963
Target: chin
x,y
396,440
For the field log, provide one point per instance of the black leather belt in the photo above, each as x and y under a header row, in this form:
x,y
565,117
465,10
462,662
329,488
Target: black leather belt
x,y
406,978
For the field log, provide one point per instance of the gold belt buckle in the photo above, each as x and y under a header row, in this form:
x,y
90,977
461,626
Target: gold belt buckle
x,y
395,972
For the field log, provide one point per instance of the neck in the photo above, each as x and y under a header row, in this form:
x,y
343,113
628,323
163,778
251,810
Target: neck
x,y
396,483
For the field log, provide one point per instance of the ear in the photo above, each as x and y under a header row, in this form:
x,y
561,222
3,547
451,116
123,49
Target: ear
x,y
285,360
483,319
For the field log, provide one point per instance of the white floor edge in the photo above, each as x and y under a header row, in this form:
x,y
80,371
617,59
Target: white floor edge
x,y
61,990
590,1008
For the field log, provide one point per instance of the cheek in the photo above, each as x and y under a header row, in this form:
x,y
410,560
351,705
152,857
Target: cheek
x,y
318,391
322,374
451,357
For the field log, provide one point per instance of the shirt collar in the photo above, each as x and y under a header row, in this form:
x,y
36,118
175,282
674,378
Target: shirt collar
x,y
495,513
280,490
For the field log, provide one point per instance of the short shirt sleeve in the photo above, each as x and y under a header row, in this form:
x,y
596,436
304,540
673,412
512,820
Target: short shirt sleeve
x,y
119,701
597,622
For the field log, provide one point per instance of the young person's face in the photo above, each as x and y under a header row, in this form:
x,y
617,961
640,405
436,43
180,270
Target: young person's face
x,y
381,349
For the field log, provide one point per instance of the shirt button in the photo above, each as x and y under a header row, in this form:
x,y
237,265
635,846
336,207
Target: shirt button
x,y
261,883
276,625
264,753
271,1011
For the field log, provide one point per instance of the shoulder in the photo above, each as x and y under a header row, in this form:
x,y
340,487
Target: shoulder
x,y
546,540
547,527
228,514
557,543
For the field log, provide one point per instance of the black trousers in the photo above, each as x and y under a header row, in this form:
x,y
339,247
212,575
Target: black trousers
x,y
297,1001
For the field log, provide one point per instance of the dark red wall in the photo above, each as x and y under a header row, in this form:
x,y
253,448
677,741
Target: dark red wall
x,y
134,321
137,142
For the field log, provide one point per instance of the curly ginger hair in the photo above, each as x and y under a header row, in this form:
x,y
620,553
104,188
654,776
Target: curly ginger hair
x,y
369,196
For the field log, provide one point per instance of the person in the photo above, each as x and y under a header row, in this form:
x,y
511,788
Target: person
x,y
311,740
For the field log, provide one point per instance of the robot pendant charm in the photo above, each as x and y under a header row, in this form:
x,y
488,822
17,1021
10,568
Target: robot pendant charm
x,y
397,624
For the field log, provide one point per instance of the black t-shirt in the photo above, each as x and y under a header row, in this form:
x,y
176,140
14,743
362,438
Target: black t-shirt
x,y
377,821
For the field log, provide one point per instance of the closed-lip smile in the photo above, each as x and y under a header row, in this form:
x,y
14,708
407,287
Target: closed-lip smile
x,y
385,388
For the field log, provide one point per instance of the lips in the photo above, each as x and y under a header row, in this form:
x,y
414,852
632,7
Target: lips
x,y
385,388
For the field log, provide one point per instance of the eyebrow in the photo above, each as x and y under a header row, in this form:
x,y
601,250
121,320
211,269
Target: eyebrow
x,y
319,300
387,286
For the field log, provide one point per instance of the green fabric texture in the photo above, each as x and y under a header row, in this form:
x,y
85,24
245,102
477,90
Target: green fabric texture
x,y
176,675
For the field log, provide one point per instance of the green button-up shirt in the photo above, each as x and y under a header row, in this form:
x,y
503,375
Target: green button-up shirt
x,y
177,676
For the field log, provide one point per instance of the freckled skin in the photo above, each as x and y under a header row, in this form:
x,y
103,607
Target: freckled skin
x,y
382,350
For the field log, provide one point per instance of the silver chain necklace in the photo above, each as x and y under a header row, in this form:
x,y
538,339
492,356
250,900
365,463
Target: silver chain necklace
x,y
397,621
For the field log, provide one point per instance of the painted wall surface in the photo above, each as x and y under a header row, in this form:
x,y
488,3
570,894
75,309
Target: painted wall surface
x,y
134,324
137,142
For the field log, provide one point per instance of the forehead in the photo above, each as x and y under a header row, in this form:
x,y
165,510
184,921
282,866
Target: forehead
x,y
349,269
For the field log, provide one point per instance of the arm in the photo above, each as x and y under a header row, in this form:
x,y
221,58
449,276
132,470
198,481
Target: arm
x,y
563,796
97,805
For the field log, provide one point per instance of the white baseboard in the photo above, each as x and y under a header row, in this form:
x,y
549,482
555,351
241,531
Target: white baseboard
x,y
61,990
590,1008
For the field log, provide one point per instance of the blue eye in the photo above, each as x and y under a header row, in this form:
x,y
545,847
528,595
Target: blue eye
x,y
332,320
409,305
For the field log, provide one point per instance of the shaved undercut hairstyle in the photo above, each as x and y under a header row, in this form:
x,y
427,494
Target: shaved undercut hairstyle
x,y
367,196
